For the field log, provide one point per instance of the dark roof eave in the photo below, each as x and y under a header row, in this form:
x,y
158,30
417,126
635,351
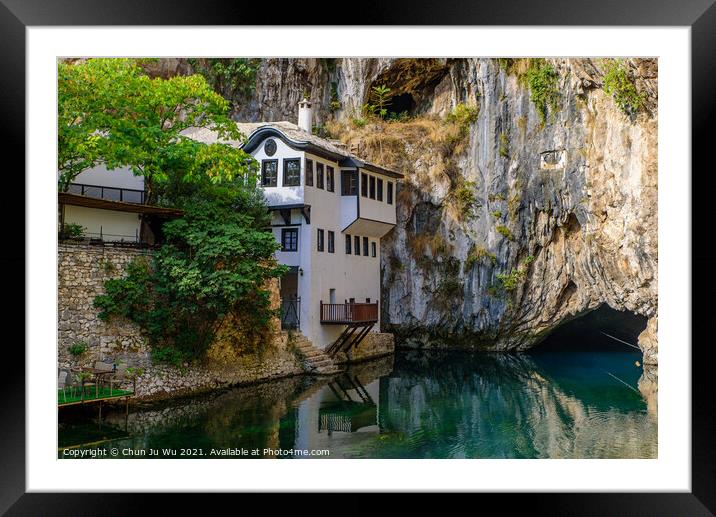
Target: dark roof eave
x,y
66,198
344,160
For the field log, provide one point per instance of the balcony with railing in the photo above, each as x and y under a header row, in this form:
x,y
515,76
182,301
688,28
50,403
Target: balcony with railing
x,y
126,195
348,313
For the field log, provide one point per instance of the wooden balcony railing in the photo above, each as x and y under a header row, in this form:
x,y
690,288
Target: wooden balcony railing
x,y
127,195
346,313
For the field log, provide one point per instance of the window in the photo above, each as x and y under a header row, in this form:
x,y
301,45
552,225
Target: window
x,y
390,192
356,248
269,173
319,175
372,187
292,172
319,241
367,300
380,189
349,183
330,179
348,245
289,239
365,246
363,184
309,172
373,250
331,242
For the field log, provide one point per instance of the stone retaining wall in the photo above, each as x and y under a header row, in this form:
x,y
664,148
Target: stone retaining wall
x,y
375,344
82,271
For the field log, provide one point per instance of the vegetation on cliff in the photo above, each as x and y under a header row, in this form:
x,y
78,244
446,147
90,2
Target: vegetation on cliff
x,y
619,84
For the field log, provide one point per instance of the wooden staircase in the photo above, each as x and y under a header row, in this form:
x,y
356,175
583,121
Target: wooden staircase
x,y
350,338
318,362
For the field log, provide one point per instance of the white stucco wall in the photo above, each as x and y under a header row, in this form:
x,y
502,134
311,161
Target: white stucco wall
x,y
281,195
351,276
112,224
118,178
372,208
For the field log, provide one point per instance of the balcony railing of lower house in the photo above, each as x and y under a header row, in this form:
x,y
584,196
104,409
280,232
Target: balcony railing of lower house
x,y
127,195
347,313
290,313
101,238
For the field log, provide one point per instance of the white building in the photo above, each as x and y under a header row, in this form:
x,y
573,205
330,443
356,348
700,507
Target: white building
x,y
110,207
329,211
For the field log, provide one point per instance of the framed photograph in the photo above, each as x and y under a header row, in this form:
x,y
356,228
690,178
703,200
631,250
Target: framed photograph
x,y
451,256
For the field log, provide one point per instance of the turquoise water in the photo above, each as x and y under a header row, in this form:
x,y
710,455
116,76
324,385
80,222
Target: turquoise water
x,y
411,405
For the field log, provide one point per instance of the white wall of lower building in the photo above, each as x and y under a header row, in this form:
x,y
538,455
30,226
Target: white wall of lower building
x,y
117,178
113,225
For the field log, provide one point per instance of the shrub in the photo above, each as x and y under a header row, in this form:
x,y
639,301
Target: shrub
x,y
477,254
169,355
504,149
496,214
510,281
463,115
74,231
465,198
334,104
504,230
359,122
541,78
619,84
78,348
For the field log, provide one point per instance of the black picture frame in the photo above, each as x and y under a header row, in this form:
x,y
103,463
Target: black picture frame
x,y
700,16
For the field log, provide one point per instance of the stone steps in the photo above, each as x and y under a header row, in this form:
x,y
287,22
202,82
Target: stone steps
x,y
319,362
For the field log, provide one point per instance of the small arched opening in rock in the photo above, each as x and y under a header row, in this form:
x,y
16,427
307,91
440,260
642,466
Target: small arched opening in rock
x,y
403,103
601,330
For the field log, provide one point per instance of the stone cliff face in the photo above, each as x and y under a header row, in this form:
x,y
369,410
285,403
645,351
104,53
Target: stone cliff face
x,y
531,214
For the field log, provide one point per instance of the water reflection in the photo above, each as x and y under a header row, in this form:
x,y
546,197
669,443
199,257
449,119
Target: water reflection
x,y
421,405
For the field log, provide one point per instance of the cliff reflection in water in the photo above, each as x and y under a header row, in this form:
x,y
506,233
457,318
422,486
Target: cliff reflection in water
x,y
424,405
569,405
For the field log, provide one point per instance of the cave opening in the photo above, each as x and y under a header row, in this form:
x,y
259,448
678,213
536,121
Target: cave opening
x,y
403,103
601,330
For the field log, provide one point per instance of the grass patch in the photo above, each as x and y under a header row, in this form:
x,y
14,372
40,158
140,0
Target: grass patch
x,y
522,125
435,244
71,396
496,214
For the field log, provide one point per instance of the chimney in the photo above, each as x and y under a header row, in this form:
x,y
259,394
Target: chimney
x,y
305,115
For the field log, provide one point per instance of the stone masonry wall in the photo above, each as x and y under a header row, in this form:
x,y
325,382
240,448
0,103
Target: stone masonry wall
x,y
82,271
375,344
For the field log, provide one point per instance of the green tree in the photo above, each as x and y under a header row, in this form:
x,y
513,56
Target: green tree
x,y
216,262
110,111
381,100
